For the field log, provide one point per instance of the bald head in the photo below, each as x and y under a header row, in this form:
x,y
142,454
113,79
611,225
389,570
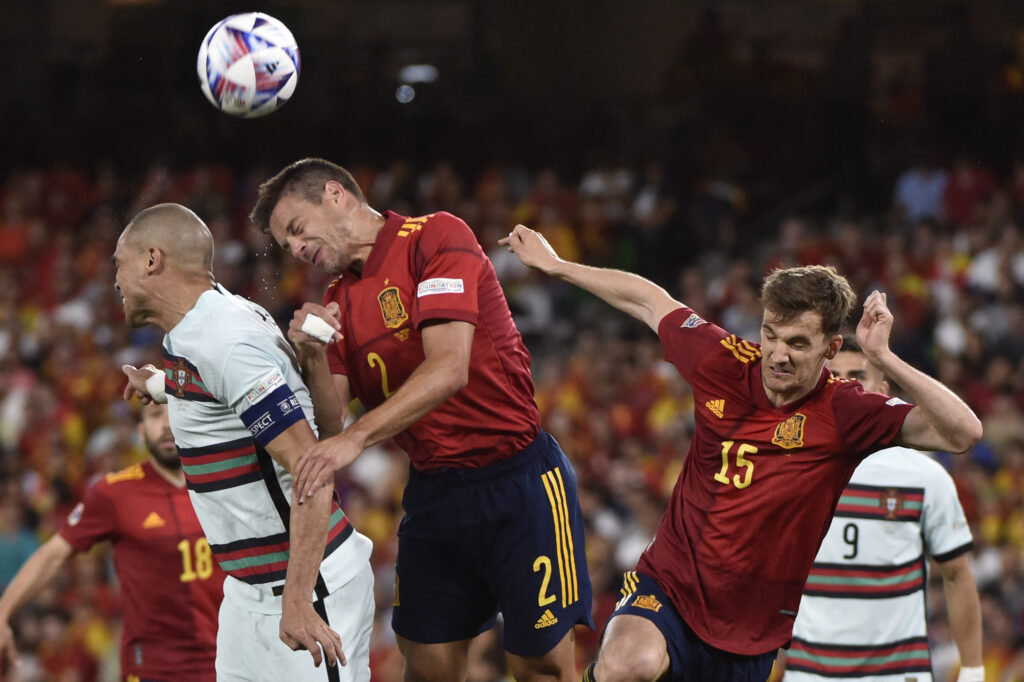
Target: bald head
x,y
183,238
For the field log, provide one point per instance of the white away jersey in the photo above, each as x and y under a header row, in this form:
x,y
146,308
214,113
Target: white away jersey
x,y
862,615
233,385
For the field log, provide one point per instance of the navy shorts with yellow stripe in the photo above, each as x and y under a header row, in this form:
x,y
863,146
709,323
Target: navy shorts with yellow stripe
x,y
690,657
506,537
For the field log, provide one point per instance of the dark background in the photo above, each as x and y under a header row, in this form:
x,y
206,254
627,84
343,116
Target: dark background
x,y
801,101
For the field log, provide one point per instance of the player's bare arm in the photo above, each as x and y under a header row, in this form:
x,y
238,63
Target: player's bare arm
x,y
940,420
632,294
330,401
443,372
301,626
964,608
40,569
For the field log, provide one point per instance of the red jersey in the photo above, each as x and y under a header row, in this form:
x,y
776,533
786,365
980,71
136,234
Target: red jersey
x,y
758,487
171,587
423,270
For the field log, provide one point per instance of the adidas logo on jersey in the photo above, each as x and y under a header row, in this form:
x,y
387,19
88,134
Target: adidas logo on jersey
x,y
153,521
717,407
547,619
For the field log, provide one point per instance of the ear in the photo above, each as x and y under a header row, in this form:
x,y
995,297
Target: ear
x,y
335,193
141,430
883,387
154,260
834,346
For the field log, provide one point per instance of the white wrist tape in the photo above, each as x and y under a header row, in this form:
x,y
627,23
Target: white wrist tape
x,y
973,674
155,388
316,327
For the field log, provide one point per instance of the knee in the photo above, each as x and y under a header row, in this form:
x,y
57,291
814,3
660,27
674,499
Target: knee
x,y
633,664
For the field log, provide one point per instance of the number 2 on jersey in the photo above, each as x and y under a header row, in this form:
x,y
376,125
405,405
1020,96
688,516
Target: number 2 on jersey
x,y
741,462
375,360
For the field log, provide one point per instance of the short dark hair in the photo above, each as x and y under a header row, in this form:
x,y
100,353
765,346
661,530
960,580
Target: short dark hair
x,y
819,288
306,178
850,345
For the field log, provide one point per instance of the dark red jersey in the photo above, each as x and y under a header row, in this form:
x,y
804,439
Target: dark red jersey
x,y
171,587
431,269
757,489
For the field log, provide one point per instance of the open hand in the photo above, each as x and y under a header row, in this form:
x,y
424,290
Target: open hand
x,y
874,327
303,628
317,466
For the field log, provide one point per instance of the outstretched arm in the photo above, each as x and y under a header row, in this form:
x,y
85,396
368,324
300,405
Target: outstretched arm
x,y
632,294
444,371
32,577
940,420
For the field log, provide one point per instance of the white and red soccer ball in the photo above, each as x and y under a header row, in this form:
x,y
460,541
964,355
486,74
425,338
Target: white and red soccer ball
x,y
248,64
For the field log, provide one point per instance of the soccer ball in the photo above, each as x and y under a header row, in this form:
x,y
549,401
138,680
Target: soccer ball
x,y
248,64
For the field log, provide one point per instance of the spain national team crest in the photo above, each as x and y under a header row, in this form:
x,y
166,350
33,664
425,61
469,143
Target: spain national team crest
x,y
790,433
647,601
892,503
391,307
182,377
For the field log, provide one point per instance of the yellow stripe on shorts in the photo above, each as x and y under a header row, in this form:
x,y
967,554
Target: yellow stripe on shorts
x,y
564,548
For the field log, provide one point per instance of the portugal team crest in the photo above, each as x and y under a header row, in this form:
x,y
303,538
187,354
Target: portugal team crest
x,y
790,433
891,503
391,307
182,377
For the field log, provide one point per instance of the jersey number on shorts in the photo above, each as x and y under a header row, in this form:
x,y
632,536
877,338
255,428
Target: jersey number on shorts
x,y
741,462
196,560
375,360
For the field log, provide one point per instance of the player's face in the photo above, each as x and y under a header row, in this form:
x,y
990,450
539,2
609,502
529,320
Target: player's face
x,y
130,271
853,365
155,429
317,234
793,354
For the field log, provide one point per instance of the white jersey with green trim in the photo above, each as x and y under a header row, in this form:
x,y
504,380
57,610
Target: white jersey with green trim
x,y
233,385
862,615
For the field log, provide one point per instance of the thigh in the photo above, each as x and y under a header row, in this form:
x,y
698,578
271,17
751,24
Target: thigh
x,y
440,594
646,632
440,662
536,563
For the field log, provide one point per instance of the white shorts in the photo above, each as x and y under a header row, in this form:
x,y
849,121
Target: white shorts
x,y
249,646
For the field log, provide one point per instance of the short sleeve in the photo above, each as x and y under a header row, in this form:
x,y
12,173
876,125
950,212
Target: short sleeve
x,y
253,384
946,532
867,421
687,338
447,269
93,520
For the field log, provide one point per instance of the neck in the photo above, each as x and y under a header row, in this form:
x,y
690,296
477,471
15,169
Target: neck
x,y
175,477
369,223
171,305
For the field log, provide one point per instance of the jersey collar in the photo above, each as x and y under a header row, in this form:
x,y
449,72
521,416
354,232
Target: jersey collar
x,y
392,221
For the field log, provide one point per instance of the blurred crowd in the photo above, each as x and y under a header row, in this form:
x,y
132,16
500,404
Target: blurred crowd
x,y
949,252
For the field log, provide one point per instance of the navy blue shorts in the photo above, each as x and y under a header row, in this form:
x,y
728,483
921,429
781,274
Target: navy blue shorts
x,y
506,537
691,659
